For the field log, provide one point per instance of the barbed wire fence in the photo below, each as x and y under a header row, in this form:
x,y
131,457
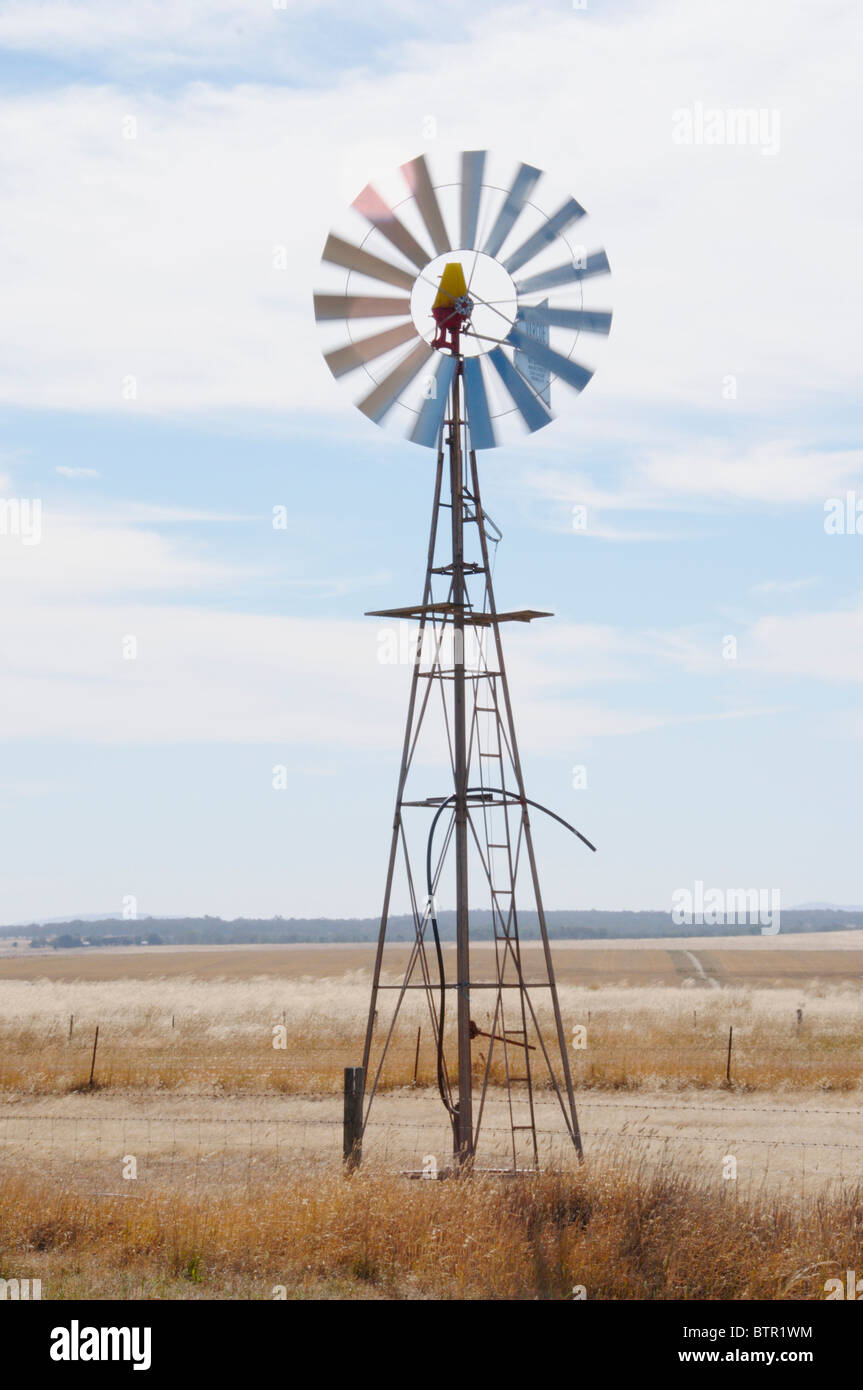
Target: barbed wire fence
x,y
179,1061
185,1051
183,1152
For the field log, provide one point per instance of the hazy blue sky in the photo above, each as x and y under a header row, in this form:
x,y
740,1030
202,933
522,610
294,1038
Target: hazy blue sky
x,y
152,156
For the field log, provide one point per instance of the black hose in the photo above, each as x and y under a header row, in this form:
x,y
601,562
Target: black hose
x,y
507,801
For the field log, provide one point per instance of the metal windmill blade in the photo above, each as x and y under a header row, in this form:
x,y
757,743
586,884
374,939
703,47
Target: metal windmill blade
x,y
473,260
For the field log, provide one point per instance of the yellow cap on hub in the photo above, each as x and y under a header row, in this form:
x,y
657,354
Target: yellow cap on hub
x,y
452,285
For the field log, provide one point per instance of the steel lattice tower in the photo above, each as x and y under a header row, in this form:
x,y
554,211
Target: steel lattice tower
x,y
486,356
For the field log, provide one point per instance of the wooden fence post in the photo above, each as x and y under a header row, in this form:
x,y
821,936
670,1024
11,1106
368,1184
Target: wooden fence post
x,y
93,1061
417,1055
71,1025
353,1130
728,1063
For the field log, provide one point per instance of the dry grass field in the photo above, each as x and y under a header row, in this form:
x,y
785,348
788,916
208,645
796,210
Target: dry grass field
x,y
236,1145
200,1035
817,957
618,1232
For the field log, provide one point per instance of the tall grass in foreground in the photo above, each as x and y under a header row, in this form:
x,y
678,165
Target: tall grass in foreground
x,y
620,1230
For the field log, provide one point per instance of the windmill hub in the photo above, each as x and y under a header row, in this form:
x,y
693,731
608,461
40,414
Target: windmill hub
x,y
452,307
464,303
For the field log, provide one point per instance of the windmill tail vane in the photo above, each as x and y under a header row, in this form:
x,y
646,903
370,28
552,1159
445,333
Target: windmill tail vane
x,y
468,352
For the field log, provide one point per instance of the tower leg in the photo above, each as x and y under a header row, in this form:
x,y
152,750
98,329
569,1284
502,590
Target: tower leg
x,y
403,773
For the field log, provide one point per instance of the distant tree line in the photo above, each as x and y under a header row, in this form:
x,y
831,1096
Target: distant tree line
x,y
589,925
67,942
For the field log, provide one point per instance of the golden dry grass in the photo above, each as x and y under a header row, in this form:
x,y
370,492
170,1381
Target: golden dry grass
x,y
620,1231
222,1036
199,1223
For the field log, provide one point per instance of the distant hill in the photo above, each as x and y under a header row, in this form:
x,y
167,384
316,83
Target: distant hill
x,y
581,925
828,907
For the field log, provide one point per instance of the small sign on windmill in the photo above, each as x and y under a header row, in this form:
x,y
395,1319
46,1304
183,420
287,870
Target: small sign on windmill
x,y
534,322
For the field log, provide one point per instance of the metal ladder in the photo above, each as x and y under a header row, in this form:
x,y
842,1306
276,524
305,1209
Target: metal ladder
x,y
509,1043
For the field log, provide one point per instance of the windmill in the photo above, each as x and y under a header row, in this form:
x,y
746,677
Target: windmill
x,y
468,352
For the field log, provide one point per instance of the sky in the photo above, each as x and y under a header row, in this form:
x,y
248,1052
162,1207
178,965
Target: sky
x,y
168,175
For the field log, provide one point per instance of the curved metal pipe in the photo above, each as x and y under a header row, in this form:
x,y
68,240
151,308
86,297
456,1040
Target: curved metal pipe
x,y
507,801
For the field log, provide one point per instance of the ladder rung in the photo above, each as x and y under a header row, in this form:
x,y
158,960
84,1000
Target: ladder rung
x,y
489,755
485,709
497,846
522,1126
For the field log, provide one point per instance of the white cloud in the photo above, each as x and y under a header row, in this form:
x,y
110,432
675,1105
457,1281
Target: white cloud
x,y
694,479
825,646
106,559
783,586
202,674
126,512
777,473
146,33
149,260
724,262
287,680
579,505
66,472
291,681
221,35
